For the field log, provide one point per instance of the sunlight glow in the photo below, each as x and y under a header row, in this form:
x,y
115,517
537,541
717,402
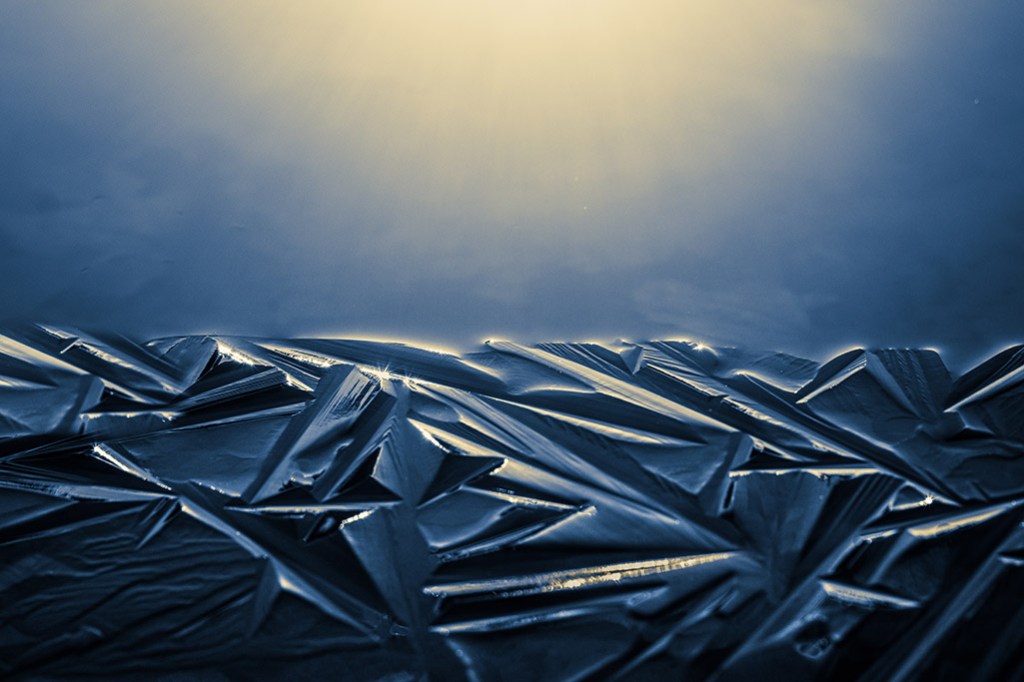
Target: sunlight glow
x,y
539,109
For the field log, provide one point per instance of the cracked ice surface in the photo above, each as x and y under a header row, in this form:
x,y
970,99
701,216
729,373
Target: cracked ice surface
x,y
238,508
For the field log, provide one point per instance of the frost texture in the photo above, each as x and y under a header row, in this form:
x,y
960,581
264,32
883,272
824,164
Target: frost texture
x,y
235,508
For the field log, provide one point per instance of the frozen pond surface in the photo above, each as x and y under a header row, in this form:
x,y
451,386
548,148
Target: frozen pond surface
x,y
240,508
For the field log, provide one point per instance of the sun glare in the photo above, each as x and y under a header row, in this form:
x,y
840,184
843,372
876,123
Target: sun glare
x,y
533,107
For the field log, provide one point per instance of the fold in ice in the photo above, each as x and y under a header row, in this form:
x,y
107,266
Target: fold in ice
x,y
239,508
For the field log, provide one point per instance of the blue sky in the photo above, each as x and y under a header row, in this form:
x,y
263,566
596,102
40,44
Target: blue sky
x,y
804,176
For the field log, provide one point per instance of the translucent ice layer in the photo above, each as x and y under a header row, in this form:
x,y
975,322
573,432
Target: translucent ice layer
x,y
241,508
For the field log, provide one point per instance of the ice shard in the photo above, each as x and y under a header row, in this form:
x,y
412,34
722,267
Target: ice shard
x,y
243,508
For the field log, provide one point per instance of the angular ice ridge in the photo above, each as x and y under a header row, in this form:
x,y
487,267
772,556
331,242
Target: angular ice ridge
x,y
242,508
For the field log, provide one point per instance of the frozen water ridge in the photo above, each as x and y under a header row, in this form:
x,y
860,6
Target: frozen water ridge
x,y
237,508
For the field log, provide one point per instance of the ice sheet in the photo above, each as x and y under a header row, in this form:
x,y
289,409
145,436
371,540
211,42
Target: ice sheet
x,y
239,508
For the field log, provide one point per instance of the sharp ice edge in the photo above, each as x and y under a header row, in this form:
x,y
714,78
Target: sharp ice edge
x,y
322,508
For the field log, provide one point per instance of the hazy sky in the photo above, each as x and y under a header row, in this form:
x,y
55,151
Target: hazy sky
x,y
802,175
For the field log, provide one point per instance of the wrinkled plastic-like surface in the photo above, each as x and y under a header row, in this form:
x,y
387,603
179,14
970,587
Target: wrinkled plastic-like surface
x,y
237,508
